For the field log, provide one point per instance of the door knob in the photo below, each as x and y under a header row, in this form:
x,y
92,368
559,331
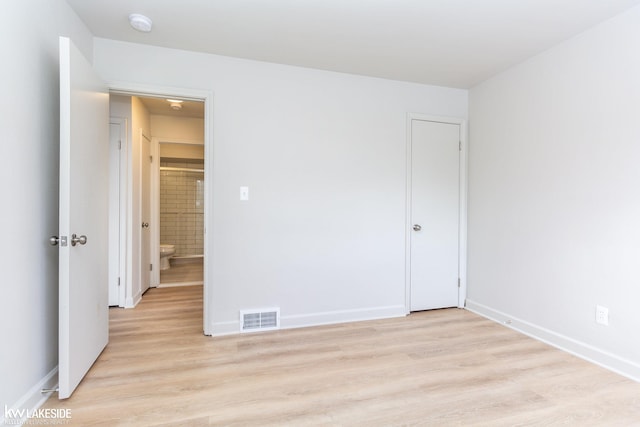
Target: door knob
x,y
81,239
417,227
145,225
53,240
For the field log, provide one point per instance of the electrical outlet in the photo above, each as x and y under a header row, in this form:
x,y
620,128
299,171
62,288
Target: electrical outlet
x,y
602,315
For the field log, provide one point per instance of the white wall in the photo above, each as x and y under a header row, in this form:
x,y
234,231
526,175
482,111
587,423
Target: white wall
x,y
323,154
553,194
29,126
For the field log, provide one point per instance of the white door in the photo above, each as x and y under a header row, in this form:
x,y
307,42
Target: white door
x,y
145,212
115,142
83,230
435,190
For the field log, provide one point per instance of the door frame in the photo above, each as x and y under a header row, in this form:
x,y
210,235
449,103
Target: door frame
x,y
462,224
123,216
206,96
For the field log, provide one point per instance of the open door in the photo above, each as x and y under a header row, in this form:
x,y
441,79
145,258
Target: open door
x,y
83,238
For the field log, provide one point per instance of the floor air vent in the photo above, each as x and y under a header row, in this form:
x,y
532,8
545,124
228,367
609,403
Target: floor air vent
x,y
259,320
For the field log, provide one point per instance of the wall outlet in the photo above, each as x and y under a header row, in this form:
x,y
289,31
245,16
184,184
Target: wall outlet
x,y
602,315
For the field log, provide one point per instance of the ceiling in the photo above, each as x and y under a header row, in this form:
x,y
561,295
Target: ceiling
x,y
455,43
161,106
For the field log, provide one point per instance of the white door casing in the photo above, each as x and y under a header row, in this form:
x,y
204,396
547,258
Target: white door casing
x,y
84,191
435,213
154,206
145,212
118,215
115,131
206,96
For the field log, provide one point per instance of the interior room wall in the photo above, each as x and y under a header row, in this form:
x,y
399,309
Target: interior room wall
x,y
30,127
322,235
183,128
120,106
182,151
553,194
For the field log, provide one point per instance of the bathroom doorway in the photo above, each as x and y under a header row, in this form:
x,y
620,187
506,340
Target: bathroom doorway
x,y
180,204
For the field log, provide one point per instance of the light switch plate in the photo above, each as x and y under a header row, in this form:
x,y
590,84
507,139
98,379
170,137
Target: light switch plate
x,y
244,193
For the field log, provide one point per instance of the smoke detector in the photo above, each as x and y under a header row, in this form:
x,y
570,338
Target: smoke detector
x,y
140,22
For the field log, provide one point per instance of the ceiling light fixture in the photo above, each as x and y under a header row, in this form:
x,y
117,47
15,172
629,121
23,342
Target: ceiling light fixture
x,y
140,22
176,104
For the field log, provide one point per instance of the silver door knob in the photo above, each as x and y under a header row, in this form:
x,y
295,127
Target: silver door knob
x,y
78,239
145,225
417,227
53,240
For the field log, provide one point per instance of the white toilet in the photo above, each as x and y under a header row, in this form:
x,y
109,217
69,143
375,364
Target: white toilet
x,y
166,251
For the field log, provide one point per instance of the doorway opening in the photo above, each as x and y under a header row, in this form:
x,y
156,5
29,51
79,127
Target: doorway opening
x,y
181,212
163,198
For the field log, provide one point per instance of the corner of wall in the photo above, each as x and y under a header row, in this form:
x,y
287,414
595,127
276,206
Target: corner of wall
x,y
582,350
33,399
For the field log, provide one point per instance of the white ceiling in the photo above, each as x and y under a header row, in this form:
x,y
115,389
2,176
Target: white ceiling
x,y
455,43
160,106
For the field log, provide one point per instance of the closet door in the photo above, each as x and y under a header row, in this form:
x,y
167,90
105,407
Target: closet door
x,y
435,198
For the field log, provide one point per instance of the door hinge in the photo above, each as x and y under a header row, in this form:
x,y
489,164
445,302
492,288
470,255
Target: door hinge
x,y
119,144
150,159
150,267
459,145
118,281
458,282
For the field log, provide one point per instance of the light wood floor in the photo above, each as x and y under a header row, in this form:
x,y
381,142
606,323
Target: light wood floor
x,y
444,367
187,270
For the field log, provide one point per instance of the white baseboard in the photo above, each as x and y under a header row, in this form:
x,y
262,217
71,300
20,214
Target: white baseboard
x,y
174,285
319,319
582,350
343,316
133,301
32,399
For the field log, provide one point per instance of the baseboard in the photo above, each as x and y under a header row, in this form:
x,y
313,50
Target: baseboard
x,y
174,285
319,319
133,301
343,316
31,401
582,350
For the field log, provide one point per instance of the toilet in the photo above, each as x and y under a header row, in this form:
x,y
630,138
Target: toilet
x,y
166,251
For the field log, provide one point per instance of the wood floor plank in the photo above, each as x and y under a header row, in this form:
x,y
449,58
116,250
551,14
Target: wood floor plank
x,y
441,367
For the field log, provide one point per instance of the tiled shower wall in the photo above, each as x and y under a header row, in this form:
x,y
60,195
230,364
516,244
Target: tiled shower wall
x,y
182,207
